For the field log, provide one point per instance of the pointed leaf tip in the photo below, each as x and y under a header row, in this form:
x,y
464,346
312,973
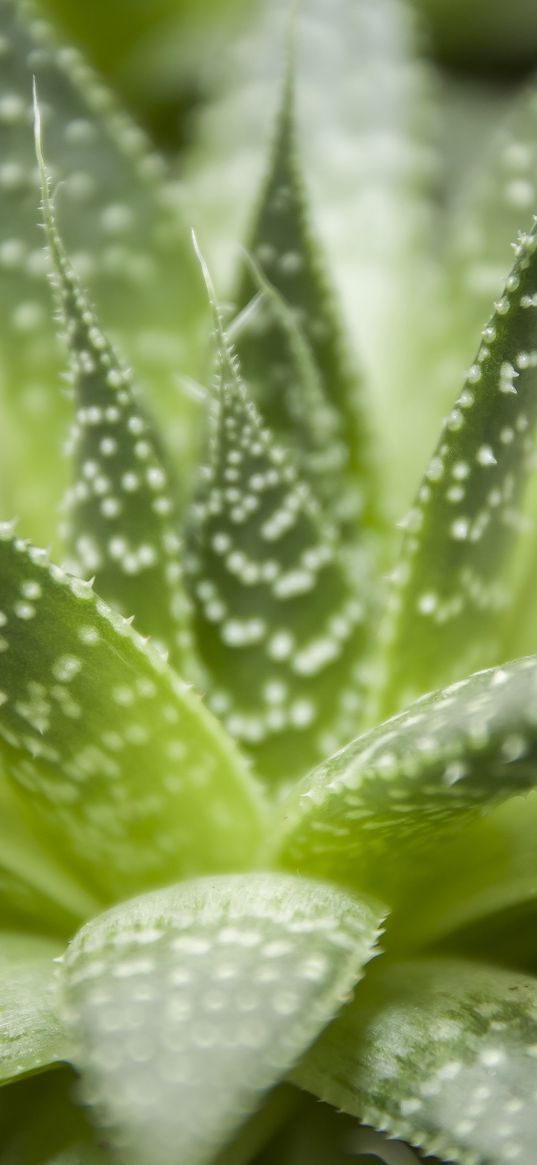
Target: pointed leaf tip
x,y
122,224
296,361
278,621
455,576
122,512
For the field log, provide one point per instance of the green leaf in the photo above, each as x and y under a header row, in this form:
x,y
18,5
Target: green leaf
x,y
507,936
278,624
451,586
364,127
302,411
483,897
117,759
124,229
36,889
319,1135
440,1053
387,800
123,514
31,1035
230,980
285,382
258,1131
41,1123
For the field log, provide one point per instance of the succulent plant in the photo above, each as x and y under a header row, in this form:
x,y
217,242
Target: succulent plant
x,y
268,815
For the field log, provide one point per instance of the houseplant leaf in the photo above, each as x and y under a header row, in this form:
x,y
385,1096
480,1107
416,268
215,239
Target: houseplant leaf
x,y
390,795
31,1035
123,513
37,890
116,757
278,624
364,129
283,243
438,1052
451,584
482,900
124,228
58,1131
230,979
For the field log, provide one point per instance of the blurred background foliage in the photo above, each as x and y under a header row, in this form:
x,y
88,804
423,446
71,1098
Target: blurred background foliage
x,y
158,55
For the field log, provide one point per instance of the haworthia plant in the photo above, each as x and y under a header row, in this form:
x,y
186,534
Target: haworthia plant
x,y
228,884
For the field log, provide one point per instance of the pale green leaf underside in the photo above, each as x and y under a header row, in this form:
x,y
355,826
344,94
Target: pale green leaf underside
x,y
441,1053
125,233
31,1035
451,585
392,792
123,514
279,624
117,759
229,981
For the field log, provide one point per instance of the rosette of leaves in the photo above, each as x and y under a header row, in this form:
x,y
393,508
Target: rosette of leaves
x,y
232,754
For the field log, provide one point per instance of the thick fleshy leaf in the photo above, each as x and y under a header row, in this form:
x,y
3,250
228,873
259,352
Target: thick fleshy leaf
x,y
395,792
124,230
283,243
441,1053
118,759
279,365
451,586
186,1005
31,1034
123,514
364,131
279,626
363,127
37,890
42,1123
